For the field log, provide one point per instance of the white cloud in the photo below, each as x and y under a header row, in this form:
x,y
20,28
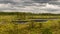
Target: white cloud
x,y
33,7
48,8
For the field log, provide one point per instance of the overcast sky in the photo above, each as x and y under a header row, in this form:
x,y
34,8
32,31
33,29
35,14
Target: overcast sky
x,y
34,6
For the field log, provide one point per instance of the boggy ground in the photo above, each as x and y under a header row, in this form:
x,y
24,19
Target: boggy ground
x,y
9,24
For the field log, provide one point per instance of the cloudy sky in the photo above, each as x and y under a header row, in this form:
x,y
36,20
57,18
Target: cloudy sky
x,y
34,6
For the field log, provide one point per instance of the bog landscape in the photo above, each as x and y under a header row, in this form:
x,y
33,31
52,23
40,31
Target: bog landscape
x,y
29,23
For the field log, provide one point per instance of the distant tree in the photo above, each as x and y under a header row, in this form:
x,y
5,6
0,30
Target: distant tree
x,y
40,24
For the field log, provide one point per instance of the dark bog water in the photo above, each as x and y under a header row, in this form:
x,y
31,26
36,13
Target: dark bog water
x,y
39,20
20,21
44,18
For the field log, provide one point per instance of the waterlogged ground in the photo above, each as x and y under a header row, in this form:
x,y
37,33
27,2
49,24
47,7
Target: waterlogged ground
x,y
29,24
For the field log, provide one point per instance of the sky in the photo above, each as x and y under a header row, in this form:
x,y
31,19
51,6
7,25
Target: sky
x,y
33,6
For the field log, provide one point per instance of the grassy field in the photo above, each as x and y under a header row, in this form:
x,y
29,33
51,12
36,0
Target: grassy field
x,y
22,23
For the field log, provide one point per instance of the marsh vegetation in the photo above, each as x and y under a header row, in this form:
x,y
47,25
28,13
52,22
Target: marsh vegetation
x,y
21,23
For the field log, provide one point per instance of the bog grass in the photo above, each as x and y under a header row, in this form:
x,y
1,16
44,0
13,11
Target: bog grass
x,y
9,27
